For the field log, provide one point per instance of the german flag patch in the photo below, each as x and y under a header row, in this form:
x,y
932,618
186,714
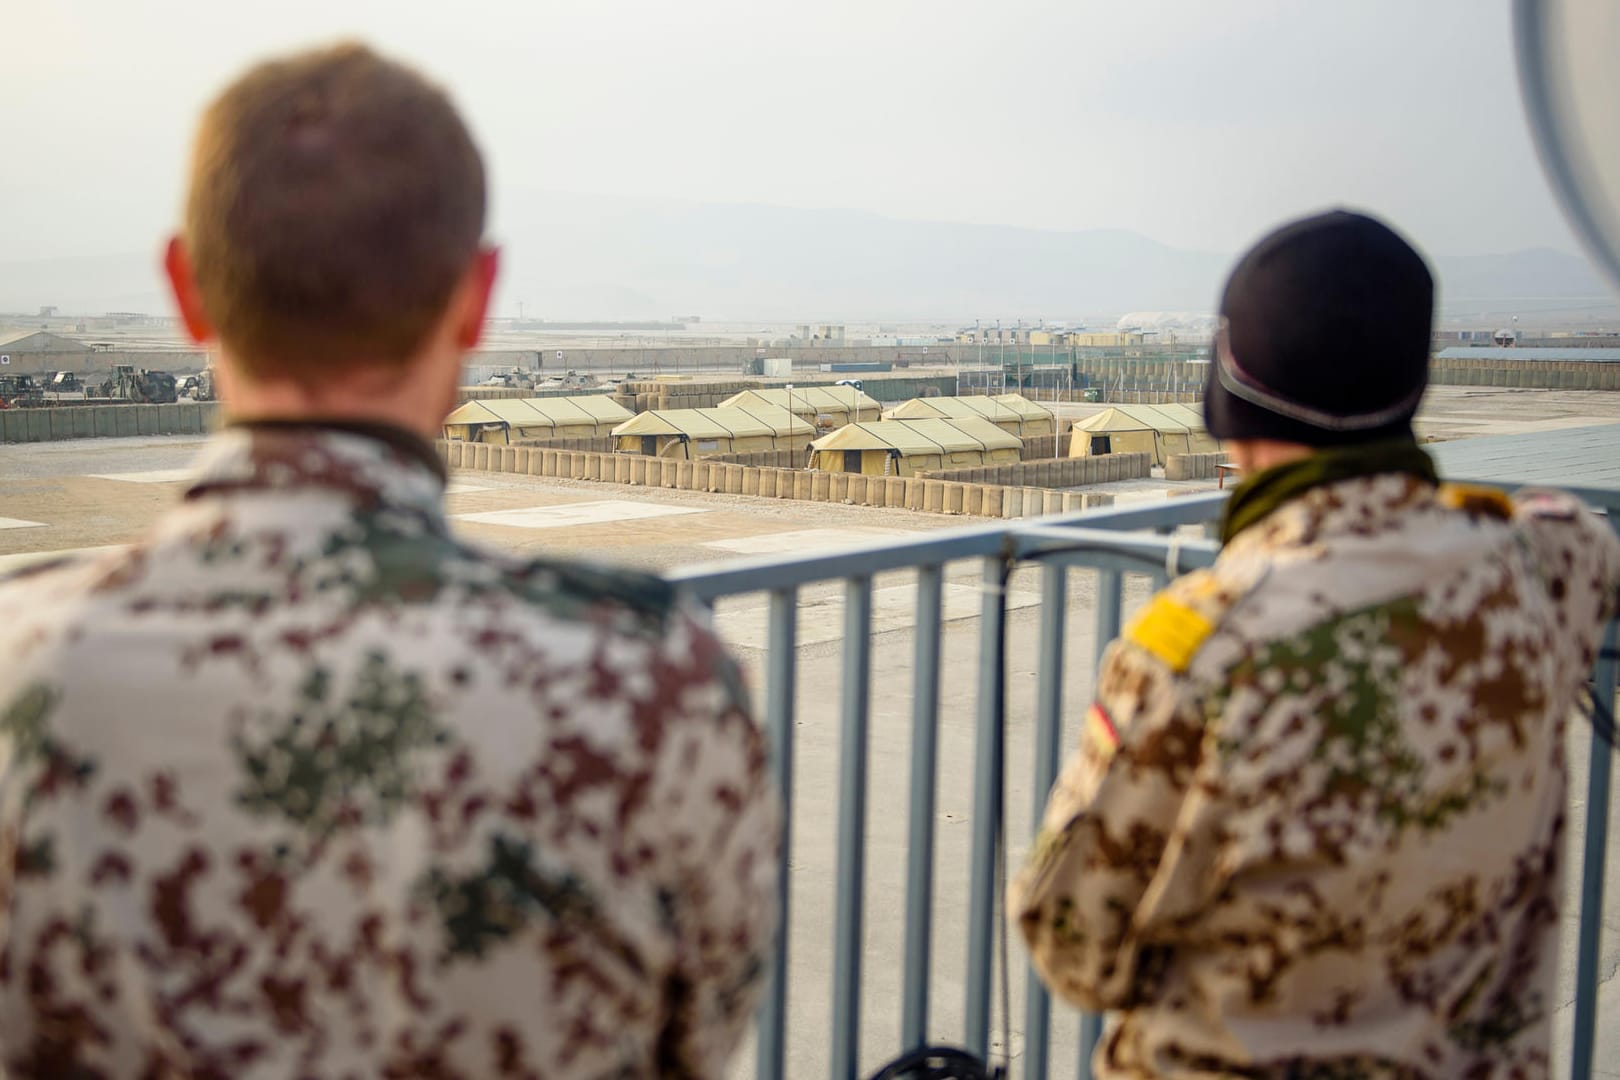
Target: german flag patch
x,y
1100,733
1171,631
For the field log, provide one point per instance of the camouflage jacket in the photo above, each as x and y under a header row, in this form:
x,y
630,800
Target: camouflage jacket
x,y
301,785
1316,824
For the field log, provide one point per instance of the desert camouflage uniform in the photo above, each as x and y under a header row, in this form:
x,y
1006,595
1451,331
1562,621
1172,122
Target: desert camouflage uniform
x,y
1316,826
300,785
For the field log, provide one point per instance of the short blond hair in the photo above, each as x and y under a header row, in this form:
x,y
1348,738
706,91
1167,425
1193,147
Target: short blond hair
x,y
336,200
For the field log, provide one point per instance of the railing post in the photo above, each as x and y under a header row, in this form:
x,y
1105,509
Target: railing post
x,y
920,838
987,786
1048,739
1110,601
1594,847
781,656
851,858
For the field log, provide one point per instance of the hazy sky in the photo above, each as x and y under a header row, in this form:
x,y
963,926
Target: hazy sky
x,y
1198,124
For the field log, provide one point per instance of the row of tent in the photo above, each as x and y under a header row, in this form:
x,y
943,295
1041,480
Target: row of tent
x,y
907,447
695,433
1010,412
1158,430
506,420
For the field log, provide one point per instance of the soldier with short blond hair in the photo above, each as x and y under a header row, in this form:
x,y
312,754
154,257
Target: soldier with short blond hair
x,y
301,784
1316,825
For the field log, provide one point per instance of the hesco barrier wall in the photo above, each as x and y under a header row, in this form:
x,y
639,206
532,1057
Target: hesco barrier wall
x,y
602,444
775,459
1055,472
1192,466
906,492
1533,374
107,421
1043,447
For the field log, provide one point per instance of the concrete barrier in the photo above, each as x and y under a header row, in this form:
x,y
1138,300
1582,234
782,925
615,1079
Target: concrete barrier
x,y
856,494
992,501
820,486
802,484
953,497
894,491
1012,502
838,487
733,478
934,496
750,482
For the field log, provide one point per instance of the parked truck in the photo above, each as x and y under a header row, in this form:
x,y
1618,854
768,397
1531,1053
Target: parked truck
x,y
18,391
143,386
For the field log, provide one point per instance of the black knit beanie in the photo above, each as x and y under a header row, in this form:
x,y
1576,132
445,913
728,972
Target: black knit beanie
x,y
1324,336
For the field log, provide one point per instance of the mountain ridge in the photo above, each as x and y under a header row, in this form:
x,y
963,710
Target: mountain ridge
x,y
602,257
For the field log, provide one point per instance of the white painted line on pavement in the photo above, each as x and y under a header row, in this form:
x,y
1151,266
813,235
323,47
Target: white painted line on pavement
x,y
797,540
565,515
153,476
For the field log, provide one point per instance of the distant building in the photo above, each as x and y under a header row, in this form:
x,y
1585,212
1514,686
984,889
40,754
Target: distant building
x,y
40,352
1105,339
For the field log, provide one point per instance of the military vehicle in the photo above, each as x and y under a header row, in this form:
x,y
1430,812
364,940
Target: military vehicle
x,y
17,391
515,379
66,382
574,380
199,387
143,386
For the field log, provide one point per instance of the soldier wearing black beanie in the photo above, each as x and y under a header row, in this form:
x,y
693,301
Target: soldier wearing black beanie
x,y
1298,759
1324,336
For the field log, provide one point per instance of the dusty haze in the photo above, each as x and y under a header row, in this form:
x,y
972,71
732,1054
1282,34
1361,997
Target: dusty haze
x,y
761,160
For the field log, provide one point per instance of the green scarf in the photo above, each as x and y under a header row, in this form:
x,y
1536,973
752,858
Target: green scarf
x,y
1265,491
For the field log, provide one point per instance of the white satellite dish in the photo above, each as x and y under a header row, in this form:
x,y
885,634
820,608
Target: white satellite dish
x,y
1570,84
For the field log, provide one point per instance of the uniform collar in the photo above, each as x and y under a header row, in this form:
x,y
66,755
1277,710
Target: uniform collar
x,y
371,464
1259,495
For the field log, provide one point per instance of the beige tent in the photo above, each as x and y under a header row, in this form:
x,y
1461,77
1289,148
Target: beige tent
x,y
907,447
1038,420
827,407
506,420
1158,430
1010,412
695,433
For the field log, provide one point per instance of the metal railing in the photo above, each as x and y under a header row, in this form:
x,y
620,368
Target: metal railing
x,y
1114,543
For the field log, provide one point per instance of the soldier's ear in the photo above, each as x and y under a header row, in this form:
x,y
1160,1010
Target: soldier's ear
x,y
183,284
475,293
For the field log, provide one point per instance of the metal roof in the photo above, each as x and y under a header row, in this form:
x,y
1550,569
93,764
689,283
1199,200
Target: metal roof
x,y
1569,458
926,436
1468,352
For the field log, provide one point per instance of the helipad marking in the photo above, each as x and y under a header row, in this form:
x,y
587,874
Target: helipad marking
x,y
19,523
8,563
153,476
798,540
565,515
894,607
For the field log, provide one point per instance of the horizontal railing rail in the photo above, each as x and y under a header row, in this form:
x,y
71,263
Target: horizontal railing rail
x,y
1112,543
